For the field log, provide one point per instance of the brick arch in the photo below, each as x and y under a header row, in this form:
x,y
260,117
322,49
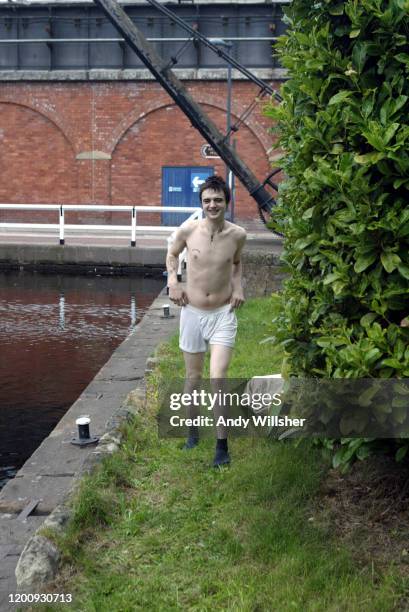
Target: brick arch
x,y
37,160
38,107
152,142
237,110
135,115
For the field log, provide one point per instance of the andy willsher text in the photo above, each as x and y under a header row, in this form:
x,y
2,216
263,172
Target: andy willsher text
x,y
256,401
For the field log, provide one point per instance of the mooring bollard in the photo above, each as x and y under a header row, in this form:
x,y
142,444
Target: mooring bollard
x,y
166,312
84,437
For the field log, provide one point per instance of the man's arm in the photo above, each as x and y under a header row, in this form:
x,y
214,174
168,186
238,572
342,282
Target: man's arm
x,y
237,297
176,292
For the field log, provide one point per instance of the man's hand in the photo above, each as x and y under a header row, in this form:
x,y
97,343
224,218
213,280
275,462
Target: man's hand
x,y
236,300
178,295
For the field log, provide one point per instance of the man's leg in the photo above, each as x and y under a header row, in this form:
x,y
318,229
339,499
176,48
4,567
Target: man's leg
x,y
220,357
193,375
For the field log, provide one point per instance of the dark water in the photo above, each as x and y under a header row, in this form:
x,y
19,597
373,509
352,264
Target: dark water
x,y
56,332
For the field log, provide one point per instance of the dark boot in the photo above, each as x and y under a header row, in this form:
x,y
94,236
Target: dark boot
x,y
221,456
193,438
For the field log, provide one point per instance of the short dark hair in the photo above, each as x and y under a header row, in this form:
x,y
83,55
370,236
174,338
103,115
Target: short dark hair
x,y
216,183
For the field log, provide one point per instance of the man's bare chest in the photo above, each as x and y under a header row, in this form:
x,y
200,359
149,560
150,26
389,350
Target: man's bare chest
x,y
203,251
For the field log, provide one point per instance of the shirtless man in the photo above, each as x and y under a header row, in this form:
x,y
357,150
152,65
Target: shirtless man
x,y
213,291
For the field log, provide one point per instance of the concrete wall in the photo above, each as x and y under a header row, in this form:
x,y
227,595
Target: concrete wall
x,y
262,270
263,273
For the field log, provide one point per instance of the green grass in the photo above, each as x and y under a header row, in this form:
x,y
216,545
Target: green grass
x,y
156,528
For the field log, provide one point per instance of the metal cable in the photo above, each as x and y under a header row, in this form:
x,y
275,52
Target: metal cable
x,y
198,36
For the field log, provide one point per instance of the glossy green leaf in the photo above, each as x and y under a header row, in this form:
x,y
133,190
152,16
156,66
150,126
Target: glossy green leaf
x,y
401,452
390,261
364,261
369,158
336,10
367,319
340,97
404,270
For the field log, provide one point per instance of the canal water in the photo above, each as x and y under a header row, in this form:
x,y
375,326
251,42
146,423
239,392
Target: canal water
x,y
56,332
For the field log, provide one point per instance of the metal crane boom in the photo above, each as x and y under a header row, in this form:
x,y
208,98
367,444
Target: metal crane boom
x,y
199,119
196,35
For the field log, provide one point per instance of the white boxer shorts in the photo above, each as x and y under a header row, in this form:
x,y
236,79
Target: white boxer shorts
x,y
198,328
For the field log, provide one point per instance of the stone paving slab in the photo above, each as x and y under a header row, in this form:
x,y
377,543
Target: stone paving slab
x,y
108,389
43,460
122,369
16,533
8,583
51,490
56,464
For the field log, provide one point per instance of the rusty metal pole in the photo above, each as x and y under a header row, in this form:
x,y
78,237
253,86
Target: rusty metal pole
x,y
199,119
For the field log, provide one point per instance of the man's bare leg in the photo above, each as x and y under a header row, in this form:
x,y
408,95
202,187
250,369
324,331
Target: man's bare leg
x,y
220,357
193,375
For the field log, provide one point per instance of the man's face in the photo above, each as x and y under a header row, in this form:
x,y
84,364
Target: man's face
x,y
214,204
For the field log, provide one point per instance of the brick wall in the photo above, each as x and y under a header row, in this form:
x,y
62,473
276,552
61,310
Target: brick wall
x,y
49,130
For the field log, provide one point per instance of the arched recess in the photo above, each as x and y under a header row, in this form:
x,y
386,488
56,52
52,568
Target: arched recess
x,y
213,102
37,159
163,136
46,111
238,109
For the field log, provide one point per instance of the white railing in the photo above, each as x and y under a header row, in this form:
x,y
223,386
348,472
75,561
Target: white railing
x,y
196,213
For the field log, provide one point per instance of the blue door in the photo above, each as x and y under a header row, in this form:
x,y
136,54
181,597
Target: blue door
x,y
180,187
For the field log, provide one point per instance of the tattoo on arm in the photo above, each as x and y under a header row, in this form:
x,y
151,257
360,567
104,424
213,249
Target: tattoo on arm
x,y
172,257
171,263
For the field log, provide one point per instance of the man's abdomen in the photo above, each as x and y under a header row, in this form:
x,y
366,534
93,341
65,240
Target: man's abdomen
x,y
208,297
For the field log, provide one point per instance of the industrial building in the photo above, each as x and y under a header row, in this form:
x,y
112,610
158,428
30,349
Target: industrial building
x,y
82,121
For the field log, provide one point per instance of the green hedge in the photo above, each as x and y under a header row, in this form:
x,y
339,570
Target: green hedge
x,y
343,207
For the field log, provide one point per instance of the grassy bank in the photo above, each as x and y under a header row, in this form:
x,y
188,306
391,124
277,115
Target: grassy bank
x,y
156,528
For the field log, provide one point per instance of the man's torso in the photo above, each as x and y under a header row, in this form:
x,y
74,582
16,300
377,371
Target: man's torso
x,y
210,264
